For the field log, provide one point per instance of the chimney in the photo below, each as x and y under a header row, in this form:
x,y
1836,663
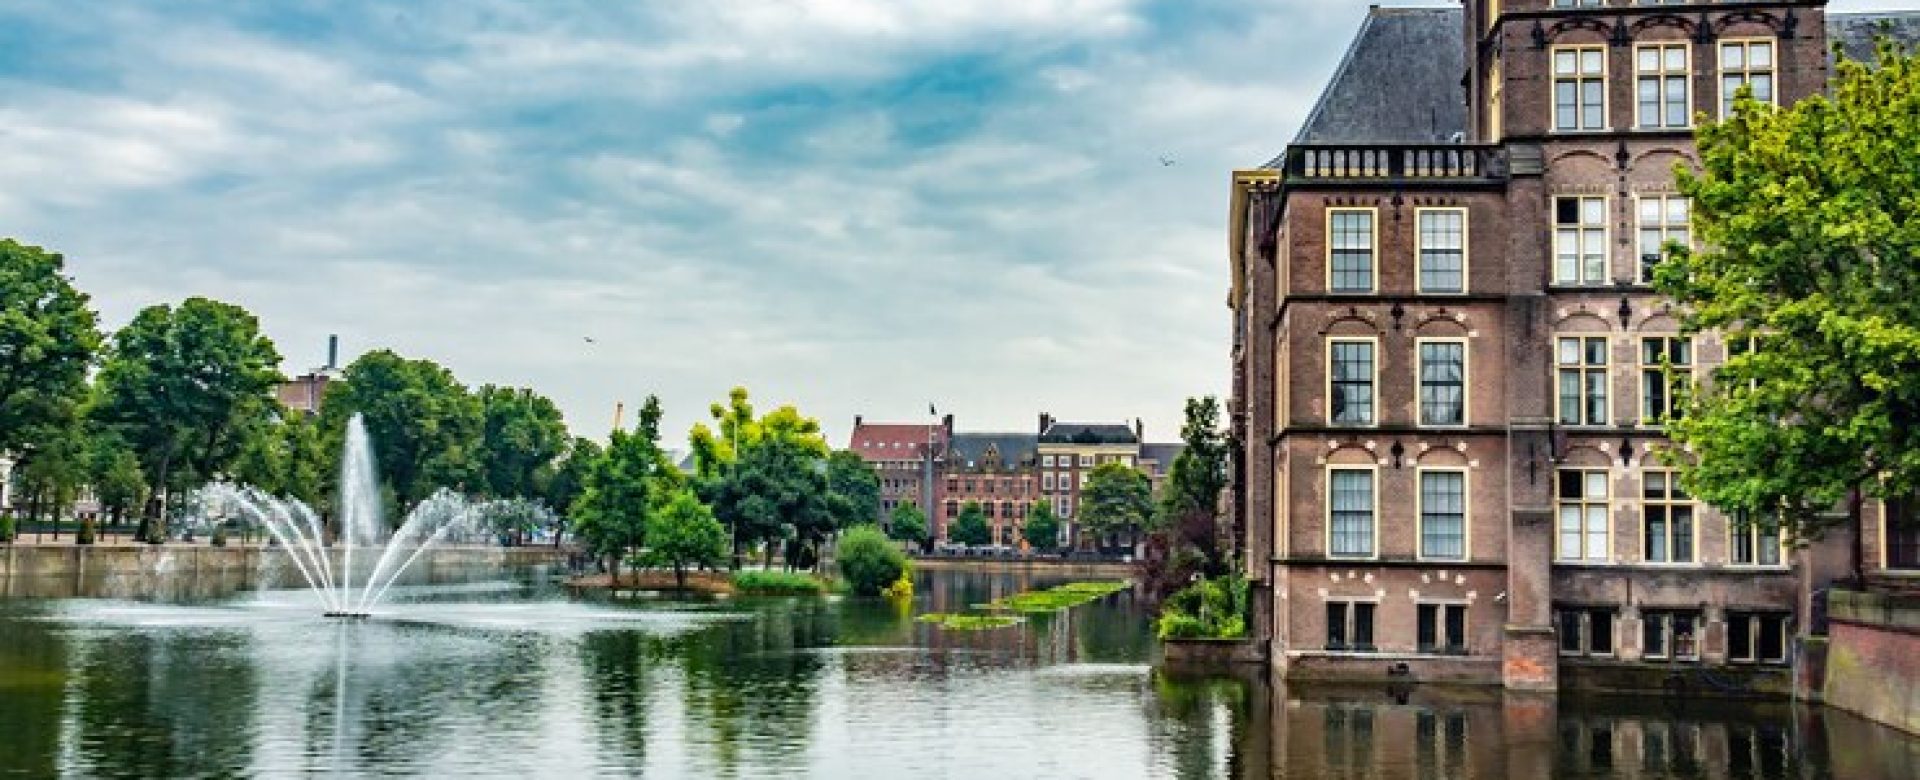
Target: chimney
x,y
947,423
1046,420
333,351
856,422
1139,430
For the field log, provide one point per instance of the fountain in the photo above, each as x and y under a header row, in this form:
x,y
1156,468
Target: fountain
x,y
299,532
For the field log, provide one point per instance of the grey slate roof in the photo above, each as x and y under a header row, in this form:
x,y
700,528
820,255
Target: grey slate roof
x,y
1162,454
1399,82
1089,433
1856,33
969,450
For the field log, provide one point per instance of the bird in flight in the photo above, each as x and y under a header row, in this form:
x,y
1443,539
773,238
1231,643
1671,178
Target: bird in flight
x,y
590,339
1165,161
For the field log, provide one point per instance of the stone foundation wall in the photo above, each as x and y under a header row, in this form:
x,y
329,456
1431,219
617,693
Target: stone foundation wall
x,y
1873,656
157,560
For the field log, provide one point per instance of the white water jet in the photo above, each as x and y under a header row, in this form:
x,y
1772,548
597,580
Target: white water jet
x,y
301,534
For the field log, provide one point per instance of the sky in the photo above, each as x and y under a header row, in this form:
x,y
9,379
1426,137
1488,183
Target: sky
x,y
860,207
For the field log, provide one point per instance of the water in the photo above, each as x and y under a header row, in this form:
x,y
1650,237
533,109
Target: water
x,y
519,678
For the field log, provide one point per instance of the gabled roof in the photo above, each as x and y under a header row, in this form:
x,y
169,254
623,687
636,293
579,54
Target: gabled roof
x,y
1162,454
1856,33
1088,433
893,441
1400,82
970,450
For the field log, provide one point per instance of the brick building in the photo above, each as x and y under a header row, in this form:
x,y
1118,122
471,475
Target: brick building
x,y
998,471
905,456
1450,371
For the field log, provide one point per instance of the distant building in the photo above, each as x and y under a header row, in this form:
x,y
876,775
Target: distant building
x,y
305,392
905,457
997,471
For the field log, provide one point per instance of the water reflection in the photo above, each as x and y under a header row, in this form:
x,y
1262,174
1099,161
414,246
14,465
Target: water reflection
x,y
525,679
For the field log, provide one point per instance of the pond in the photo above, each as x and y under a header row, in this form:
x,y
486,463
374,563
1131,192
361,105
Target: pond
x,y
168,678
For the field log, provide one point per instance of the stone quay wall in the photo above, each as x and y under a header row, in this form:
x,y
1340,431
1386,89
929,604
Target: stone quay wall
x,y
1873,656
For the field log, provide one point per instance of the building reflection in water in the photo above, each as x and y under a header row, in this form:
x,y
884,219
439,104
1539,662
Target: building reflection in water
x,y
1426,732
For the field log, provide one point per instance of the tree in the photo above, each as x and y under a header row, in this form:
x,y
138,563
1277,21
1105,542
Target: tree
x,y
767,477
970,528
1188,513
868,561
425,426
626,485
1808,232
908,524
117,479
181,386
522,434
854,481
47,339
51,475
682,534
1042,529
568,479
1118,499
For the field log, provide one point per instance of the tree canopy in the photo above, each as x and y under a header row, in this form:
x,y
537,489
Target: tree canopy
x,y
627,485
1042,529
47,339
970,527
1807,220
907,524
683,533
426,428
1118,498
522,434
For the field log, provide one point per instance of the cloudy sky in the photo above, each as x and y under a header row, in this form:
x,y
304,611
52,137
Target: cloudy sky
x,y
857,206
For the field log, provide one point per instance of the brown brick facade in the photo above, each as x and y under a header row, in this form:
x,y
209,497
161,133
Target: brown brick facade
x,y
1505,171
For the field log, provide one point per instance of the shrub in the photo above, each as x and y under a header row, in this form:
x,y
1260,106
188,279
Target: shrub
x,y
1207,609
777,583
868,561
219,535
901,588
86,533
6,528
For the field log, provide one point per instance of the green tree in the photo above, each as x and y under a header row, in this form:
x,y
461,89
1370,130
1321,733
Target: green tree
x,y
51,475
1809,233
868,561
1042,529
1118,499
908,524
767,478
48,338
1188,513
183,386
563,485
627,485
970,528
682,534
425,426
854,481
522,434
117,479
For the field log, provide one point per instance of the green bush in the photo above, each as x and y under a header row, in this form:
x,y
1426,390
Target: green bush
x,y
777,583
1207,609
219,535
6,528
869,561
86,533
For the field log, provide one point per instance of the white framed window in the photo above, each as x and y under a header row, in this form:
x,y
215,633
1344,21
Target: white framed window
x,y
1746,63
1579,240
1351,511
1667,527
1351,375
1580,88
1578,3
1442,251
1443,514
1581,365
1754,543
1350,625
1086,461
1585,630
1585,517
1662,219
1046,460
1351,249
1441,628
1758,637
1666,371
1443,381
1046,481
1670,634
1660,85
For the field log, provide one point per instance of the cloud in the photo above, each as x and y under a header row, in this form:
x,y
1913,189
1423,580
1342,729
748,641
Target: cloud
x,y
853,205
